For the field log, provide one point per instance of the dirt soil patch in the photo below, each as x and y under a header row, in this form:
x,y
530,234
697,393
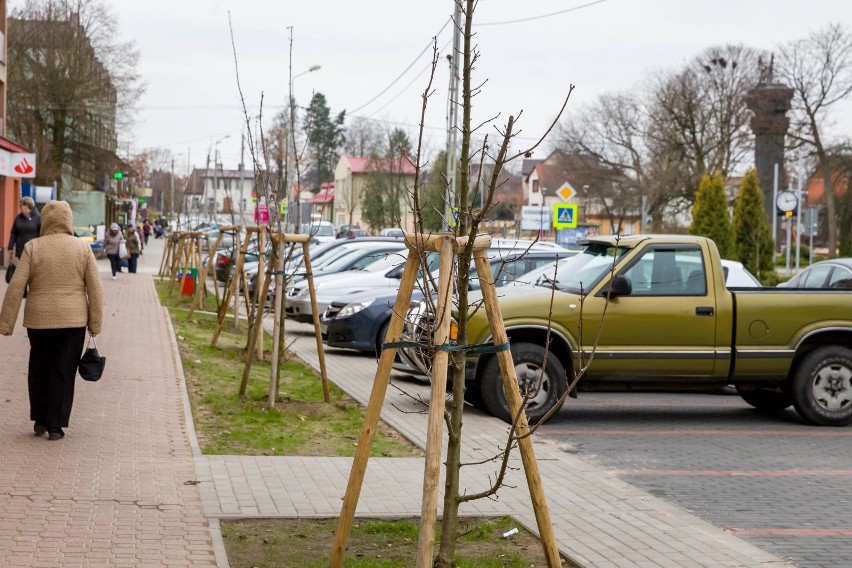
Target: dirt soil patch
x,y
305,543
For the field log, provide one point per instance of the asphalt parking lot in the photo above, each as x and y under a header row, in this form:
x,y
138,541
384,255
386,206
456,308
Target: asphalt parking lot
x,y
780,484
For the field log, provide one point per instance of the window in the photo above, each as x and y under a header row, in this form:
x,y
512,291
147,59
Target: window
x,y
816,277
534,188
840,278
668,272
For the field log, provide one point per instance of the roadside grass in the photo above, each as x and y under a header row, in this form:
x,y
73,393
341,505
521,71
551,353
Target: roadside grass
x,y
306,543
301,424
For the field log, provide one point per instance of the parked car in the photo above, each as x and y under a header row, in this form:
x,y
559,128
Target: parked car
x,y
669,320
320,253
360,258
85,234
834,273
360,321
350,231
322,231
392,232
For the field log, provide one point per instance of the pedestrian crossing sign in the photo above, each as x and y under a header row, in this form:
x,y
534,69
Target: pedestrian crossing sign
x,y
565,216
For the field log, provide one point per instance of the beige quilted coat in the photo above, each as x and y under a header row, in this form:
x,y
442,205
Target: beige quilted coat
x,y
62,274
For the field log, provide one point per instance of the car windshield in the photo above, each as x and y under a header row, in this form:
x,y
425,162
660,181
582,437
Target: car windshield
x,y
579,273
322,230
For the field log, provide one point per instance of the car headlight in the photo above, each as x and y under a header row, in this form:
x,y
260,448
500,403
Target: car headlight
x,y
352,309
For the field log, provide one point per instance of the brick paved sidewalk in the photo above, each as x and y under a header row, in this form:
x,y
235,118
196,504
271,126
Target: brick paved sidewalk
x,y
113,492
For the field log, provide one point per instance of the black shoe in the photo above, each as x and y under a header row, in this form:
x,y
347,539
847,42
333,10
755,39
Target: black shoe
x,y
39,429
57,434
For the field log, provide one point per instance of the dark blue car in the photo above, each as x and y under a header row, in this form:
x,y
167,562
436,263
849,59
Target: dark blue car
x,y
361,322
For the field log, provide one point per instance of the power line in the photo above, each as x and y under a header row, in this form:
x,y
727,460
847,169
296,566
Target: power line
x,y
410,65
540,17
405,88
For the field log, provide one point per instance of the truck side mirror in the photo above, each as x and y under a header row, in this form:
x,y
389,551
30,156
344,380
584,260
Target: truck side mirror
x,y
620,286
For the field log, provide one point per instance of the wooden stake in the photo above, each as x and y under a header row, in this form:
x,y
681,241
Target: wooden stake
x,y
513,396
432,470
326,394
278,244
261,268
374,409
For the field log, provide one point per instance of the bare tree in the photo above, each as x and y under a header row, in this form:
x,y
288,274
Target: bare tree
x,y
71,89
698,120
819,70
364,137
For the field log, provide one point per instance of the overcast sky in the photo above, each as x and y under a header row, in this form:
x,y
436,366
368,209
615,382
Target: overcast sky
x,y
364,46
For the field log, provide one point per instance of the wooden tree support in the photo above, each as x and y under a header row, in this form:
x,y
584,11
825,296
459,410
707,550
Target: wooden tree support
x,y
279,240
236,277
207,269
187,254
448,246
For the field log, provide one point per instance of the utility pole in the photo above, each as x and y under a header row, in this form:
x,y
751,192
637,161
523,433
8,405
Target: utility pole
x,y
452,120
242,178
172,190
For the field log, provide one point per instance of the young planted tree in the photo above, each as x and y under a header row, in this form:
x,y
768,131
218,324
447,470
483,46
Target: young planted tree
x,y
710,215
751,229
326,135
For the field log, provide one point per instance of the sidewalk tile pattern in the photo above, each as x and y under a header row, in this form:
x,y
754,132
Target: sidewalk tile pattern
x,y
112,492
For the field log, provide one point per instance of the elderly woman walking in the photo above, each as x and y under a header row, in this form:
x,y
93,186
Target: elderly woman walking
x,y
112,246
65,298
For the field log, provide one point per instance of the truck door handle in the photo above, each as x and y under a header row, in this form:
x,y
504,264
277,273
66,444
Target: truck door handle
x,y
704,311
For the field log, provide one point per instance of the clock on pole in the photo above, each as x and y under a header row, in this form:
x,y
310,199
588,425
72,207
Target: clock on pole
x,y
787,201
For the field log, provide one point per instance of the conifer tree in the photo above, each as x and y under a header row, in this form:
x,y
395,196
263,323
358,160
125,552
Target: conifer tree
x,y
751,228
710,215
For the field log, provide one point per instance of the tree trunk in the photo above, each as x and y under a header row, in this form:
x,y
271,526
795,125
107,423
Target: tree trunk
x,y
449,532
830,209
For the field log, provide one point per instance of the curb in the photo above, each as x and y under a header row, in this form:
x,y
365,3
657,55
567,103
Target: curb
x,y
215,528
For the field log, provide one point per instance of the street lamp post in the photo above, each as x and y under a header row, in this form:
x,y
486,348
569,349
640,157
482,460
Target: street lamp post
x,y
211,208
292,182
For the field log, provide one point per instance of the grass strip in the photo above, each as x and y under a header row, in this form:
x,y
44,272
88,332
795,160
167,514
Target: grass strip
x,y
301,424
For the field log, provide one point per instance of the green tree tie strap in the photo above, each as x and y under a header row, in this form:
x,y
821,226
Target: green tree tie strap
x,y
477,349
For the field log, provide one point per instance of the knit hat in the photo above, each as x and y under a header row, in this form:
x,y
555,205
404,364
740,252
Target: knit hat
x,y
114,227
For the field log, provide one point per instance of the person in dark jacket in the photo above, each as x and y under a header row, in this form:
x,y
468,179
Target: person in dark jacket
x,y
25,228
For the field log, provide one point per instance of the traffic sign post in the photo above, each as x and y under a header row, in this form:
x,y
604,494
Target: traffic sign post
x,y
565,216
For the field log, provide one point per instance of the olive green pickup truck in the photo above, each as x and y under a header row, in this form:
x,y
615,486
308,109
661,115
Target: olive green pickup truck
x,y
653,312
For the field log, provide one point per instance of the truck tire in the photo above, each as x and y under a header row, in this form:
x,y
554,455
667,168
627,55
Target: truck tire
x,y
765,399
822,387
528,359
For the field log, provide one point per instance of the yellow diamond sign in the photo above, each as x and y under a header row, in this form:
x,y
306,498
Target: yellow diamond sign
x,y
566,192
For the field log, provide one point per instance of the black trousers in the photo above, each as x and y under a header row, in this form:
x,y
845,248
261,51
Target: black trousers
x,y
54,356
114,263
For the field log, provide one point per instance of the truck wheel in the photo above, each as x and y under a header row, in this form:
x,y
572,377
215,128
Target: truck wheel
x,y
822,387
765,399
528,359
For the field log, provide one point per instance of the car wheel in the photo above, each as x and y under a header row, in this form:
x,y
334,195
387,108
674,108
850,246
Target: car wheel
x,y
544,391
822,387
765,399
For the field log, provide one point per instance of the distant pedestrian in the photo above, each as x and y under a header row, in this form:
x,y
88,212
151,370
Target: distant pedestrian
x,y
25,227
134,248
65,298
112,247
146,231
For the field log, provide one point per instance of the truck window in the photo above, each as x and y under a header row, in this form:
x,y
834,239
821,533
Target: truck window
x,y
668,272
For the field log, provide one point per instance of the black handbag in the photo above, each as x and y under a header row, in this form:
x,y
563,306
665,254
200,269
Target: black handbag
x,y
91,365
10,271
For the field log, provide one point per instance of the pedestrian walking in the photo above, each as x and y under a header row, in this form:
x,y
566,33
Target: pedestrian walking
x,y
65,298
146,231
112,247
134,248
24,229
